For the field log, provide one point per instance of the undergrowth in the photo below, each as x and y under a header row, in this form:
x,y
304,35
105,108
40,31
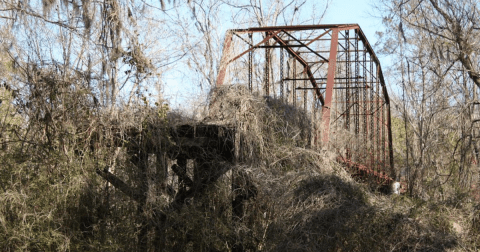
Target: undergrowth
x,y
307,202
293,197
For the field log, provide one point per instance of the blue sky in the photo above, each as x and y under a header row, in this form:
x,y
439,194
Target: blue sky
x,y
356,12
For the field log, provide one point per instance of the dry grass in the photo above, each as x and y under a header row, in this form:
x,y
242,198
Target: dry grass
x,y
296,198
307,202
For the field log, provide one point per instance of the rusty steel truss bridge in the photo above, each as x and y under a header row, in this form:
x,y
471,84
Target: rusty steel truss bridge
x,y
331,72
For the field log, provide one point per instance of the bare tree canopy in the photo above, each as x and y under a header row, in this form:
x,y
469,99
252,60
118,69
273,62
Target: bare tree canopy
x,y
451,30
436,71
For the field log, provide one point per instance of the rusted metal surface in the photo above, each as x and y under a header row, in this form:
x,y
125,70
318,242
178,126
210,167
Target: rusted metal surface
x,y
223,63
339,78
332,64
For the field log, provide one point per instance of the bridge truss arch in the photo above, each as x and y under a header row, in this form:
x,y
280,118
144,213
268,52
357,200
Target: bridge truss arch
x,y
332,72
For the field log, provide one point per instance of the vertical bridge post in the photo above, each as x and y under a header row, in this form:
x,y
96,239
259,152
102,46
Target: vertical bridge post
x,y
332,62
224,61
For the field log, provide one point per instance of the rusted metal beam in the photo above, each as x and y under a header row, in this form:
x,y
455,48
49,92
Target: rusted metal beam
x,y
304,64
303,45
223,62
390,142
267,38
330,82
298,28
334,88
317,38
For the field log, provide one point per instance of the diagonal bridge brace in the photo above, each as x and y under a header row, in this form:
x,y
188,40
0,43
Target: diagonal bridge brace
x,y
304,64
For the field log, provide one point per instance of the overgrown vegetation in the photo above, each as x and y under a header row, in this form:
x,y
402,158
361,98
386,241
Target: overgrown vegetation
x,y
293,197
308,202
91,158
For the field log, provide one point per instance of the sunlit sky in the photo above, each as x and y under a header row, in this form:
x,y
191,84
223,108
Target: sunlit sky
x,y
339,12
355,12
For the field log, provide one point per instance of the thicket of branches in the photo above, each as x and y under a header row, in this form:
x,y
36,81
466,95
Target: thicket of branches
x,y
435,83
